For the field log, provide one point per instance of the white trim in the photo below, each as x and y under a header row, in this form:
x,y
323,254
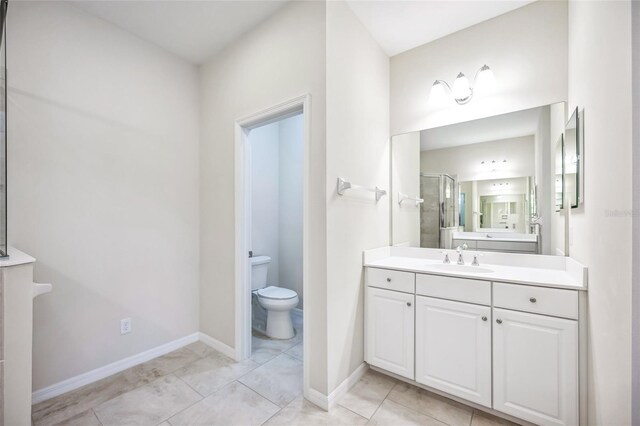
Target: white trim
x,y
110,369
347,384
242,240
328,402
318,398
217,345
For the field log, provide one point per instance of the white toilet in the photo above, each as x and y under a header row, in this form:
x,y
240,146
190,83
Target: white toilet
x,y
277,301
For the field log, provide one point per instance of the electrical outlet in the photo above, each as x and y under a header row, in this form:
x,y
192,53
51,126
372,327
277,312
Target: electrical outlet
x,y
125,326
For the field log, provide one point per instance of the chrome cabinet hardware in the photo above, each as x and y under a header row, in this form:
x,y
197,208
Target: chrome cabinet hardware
x,y
484,318
499,321
532,300
408,303
388,280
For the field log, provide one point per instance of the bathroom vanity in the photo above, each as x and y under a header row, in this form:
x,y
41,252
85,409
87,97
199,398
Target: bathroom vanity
x,y
510,242
507,336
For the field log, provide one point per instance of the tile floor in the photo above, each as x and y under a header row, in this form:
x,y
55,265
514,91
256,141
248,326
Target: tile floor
x,y
197,385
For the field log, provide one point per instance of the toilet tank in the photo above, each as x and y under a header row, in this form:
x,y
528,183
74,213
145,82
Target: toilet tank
x,y
259,269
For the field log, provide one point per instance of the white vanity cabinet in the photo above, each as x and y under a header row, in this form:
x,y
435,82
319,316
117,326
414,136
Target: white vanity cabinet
x,y
515,349
453,348
535,367
390,328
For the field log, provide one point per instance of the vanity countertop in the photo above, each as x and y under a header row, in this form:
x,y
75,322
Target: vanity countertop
x,y
547,271
496,236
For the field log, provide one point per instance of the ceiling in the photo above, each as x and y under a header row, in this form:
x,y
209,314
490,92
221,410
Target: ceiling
x,y
198,29
193,30
505,126
402,25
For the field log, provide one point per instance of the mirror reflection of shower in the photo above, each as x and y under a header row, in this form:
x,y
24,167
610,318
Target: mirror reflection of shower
x,y
438,211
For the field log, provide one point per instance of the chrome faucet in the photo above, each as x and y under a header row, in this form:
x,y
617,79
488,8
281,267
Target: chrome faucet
x,y
459,249
446,257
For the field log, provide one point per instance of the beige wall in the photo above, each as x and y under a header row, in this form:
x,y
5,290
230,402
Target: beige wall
x,y
103,168
526,49
281,59
599,48
357,150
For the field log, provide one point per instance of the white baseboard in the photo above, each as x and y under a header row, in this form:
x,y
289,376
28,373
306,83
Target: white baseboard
x,y
328,402
218,345
347,384
109,369
318,398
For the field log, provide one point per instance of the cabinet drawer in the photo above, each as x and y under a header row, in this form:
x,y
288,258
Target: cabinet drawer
x,y
462,289
391,280
539,300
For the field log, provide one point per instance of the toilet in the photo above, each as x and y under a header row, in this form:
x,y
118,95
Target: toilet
x,y
277,301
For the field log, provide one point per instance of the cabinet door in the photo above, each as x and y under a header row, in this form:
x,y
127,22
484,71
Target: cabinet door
x,y
453,348
535,367
390,326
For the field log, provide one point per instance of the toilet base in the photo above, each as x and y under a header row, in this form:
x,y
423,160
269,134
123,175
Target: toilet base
x,y
279,325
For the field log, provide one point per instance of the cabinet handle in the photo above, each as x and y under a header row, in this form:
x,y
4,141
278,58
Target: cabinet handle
x,y
408,303
532,300
484,318
499,321
388,280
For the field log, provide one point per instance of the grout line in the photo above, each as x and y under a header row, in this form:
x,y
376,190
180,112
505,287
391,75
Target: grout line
x,y
273,402
191,387
96,416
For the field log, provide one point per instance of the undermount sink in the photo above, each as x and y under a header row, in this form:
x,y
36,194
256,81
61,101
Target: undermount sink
x,y
452,267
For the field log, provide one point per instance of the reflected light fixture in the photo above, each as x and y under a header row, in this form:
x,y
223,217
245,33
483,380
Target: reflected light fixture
x,y
461,90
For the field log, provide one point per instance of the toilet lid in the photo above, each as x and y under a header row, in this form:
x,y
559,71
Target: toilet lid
x,y
278,293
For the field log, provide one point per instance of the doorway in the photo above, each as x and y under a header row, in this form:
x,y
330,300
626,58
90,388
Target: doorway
x,y
271,212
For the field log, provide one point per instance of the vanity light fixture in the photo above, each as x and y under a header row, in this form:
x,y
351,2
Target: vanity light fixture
x,y
461,90
494,165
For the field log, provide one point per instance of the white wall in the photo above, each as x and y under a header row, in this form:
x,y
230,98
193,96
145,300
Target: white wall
x,y
357,150
291,202
265,196
526,49
103,172
465,161
600,83
281,59
277,159
405,178
635,11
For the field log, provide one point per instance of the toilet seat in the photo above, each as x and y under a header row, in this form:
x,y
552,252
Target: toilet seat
x,y
276,293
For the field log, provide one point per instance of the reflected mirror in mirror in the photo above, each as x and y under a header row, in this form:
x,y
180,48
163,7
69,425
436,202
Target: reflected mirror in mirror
x,y
559,174
486,183
571,160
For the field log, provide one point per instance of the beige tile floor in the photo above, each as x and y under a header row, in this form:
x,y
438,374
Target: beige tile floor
x,y
197,385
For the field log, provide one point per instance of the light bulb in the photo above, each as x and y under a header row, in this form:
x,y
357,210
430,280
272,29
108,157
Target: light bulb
x,y
461,89
438,95
485,81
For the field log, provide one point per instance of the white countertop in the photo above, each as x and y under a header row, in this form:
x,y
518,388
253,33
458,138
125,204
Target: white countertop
x,y
16,257
547,271
496,236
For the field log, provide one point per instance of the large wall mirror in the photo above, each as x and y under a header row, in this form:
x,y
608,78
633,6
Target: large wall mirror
x,y
487,184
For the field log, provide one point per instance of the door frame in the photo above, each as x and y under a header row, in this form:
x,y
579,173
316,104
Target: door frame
x,y
291,107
